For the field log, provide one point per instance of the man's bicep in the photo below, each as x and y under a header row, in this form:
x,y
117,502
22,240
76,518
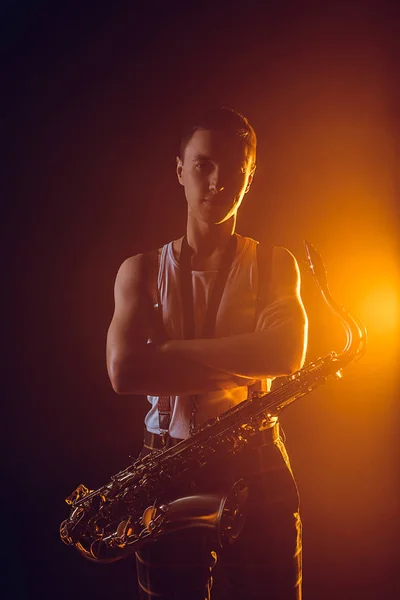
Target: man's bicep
x,y
284,313
284,297
130,325
283,309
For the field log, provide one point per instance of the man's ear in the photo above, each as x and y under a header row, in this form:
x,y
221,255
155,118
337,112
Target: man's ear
x,y
179,168
251,176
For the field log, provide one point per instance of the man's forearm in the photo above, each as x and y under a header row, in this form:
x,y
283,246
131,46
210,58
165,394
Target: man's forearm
x,y
202,365
259,355
155,370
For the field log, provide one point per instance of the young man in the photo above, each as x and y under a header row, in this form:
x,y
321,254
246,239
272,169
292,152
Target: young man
x,y
217,336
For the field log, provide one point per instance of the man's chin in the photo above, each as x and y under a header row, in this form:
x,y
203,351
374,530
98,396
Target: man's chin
x,y
211,211
215,214
219,206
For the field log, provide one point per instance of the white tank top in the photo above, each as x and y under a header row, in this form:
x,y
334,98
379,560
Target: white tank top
x,y
236,315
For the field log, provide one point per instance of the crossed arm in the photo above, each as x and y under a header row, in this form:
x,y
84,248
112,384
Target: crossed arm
x,y
277,347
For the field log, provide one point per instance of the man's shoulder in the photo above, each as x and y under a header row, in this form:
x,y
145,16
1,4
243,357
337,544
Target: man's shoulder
x,y
140,260
131,272
142,267
284,259
132,263
279,254
138,273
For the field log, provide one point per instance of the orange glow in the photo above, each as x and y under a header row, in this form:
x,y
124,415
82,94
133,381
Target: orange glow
x,y
371,287
381,309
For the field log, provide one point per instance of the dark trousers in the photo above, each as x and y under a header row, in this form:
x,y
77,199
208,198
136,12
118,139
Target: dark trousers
x,y
263,563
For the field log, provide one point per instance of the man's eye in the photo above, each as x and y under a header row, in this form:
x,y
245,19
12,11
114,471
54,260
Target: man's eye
x,y
203,166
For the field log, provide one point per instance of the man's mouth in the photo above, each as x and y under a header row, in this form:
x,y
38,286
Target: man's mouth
x,y
216,200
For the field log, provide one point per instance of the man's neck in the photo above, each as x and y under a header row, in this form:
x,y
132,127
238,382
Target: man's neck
x,y
208,242
206,239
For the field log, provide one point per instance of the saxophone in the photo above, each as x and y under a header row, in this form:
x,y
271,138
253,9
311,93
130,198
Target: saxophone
x,y
151,497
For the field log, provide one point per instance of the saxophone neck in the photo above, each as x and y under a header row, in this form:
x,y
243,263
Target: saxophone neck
x,y
356,333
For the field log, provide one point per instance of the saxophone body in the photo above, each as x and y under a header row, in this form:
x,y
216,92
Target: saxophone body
x,y
151,497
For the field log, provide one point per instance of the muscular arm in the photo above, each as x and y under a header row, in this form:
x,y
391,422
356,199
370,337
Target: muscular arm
x,y
137,367
278,345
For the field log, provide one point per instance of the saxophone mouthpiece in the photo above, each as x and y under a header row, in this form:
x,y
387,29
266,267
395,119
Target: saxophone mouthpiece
x,y
316,265
307,247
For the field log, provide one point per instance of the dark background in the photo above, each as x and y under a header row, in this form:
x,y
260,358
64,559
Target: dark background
x,y
93,102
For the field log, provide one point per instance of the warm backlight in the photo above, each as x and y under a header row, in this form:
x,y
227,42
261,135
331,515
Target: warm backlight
x,y
381,309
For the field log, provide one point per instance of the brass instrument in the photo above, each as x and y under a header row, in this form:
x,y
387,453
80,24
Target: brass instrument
x,y
140,502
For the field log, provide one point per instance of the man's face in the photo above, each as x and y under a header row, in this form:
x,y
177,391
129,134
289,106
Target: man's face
x,y
215,173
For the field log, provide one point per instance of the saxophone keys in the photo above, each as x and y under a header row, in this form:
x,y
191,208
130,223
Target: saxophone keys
x,y
148,517
80,492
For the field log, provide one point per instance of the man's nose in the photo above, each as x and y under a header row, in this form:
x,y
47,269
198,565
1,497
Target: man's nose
x,y
216,181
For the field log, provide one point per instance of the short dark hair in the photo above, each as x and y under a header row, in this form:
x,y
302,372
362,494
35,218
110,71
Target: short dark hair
x,y
228,121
